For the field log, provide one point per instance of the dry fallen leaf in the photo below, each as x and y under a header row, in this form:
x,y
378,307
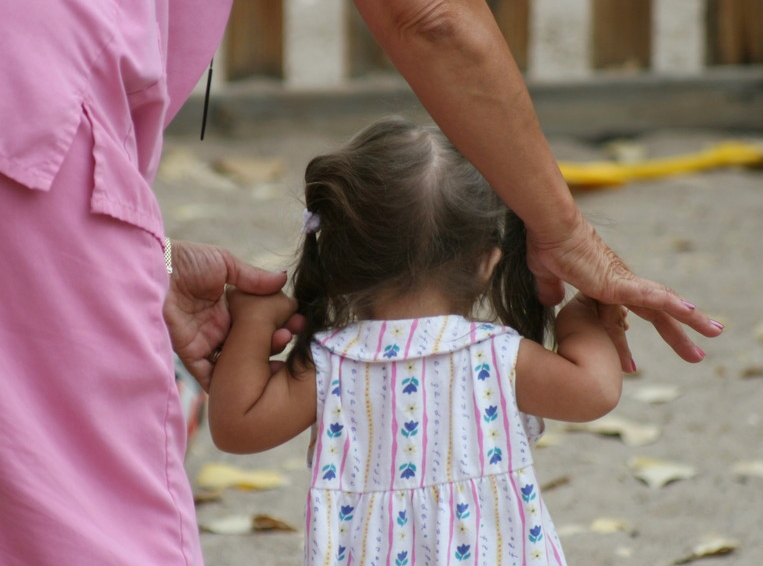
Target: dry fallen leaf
x,y
221,476
207,496
752,371
232,525
711,546
659,473
268,523
250,171
245,524
748,468
631,433
656,394
609,525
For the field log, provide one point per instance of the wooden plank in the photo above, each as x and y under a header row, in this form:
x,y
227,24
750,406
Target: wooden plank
x,y
738,33
513,17
622,31
254,40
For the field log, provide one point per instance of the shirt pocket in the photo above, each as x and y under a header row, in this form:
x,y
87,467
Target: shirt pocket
x,y
120,190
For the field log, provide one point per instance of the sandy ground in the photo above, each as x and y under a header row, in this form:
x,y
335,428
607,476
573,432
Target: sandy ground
x,y
700,234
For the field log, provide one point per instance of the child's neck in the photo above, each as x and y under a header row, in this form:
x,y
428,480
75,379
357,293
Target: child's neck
x,y
417,304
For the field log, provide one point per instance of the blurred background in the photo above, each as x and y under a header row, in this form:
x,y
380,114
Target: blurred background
x,y
643,95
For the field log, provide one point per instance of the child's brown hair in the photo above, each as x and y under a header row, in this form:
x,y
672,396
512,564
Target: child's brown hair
x,y
400,209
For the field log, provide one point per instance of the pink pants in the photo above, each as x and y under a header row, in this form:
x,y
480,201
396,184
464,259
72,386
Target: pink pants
x,y
91,434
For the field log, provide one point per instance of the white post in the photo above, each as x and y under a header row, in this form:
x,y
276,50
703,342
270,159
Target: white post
x,y
315,43
560,39
679,37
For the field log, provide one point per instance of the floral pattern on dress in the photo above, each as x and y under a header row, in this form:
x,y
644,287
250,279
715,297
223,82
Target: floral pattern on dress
x,y
421,455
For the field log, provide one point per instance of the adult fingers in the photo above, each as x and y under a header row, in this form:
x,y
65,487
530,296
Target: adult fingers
x,y
251,279
646,296
672,332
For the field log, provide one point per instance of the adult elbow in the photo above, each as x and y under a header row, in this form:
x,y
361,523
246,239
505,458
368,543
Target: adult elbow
x,y
436,22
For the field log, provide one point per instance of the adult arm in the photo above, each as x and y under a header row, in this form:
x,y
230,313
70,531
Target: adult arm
x,y
455,59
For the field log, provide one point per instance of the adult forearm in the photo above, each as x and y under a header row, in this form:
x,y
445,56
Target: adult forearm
x,y
454,57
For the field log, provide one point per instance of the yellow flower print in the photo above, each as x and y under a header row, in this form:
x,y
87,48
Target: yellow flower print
x,y
333,450
493,433
479,356
337,411
488,394
396,331
410,367
463,529
532,509
342,530
536,555
411,408
410,449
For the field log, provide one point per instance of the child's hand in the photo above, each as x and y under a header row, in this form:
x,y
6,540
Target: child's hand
x,y
613,318
274,309
276,313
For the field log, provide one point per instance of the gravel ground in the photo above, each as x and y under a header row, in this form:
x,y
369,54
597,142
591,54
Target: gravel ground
x,y
700,234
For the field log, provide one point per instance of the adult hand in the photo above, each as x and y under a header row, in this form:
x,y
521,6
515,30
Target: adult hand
x,y
196,311
582,259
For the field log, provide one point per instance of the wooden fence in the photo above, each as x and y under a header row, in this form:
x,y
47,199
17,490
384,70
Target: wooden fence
x,y
320,44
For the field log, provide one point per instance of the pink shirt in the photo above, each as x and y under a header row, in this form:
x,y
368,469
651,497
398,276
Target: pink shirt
x,y
91,432
128,65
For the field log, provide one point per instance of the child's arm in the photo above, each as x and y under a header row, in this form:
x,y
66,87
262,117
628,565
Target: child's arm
x,y
251,408
582,380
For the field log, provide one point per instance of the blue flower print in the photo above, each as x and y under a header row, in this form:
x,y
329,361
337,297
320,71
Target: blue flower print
x,y
462,510
391,351
536,534
402,518
411,385
409,471
335,387
329,472
402,559
491,413
495,455
528,492
340,553
462,552
335,430
411,428
483,371
345,512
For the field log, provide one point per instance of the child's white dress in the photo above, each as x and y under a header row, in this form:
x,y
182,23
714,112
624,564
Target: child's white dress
x,y
420,454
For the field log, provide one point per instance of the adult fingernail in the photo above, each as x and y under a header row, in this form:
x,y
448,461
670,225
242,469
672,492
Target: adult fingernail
x,y
689,305
700,352
634,369
717,324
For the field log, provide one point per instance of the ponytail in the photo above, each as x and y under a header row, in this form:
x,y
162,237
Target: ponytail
x,y
513,291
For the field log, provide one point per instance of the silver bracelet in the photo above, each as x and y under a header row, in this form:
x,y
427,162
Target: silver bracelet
x,y
168,254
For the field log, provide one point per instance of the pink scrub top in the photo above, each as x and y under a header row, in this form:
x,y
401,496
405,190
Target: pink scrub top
x,y
92,437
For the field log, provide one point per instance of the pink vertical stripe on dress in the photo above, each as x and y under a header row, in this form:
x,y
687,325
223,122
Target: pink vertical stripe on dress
x,y
393,404
424,423
381,339
557,555
452,511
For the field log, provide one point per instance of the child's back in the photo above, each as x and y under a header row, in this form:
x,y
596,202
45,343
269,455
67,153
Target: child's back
x,y
421,454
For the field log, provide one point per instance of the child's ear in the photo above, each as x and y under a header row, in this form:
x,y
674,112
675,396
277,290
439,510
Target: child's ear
x,y
489,261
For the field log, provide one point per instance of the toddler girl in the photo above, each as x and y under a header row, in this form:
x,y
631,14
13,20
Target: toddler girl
x,y
423,413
